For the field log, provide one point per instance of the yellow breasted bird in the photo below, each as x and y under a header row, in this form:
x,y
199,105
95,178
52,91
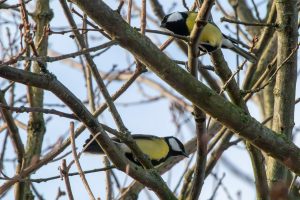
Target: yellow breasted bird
x,y
211,38
158,149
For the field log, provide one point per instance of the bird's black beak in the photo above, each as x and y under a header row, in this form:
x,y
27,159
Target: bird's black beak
x,y
185,154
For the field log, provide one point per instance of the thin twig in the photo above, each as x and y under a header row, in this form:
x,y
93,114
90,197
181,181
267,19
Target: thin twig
x,y
34,189
65,175
40,180
239,68
109,186
143,17
255,90
186,184
14,6
81,174
185,5
129,8
60,193
224,19
217,187
295,176
256,10
120,6
65,56
24,109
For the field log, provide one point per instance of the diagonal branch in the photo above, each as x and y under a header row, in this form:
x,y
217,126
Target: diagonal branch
x,y
149,178
128,140
51,155
230,115
13,129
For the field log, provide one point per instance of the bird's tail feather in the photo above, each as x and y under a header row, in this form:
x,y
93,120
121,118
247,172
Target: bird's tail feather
x,y
252,58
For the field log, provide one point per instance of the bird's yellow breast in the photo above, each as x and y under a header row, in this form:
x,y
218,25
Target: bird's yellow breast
x,y
190,21
210,33
156,149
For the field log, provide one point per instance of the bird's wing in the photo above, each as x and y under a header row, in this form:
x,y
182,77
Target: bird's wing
x,y
228,44
137,136
144,136
235,41
93,147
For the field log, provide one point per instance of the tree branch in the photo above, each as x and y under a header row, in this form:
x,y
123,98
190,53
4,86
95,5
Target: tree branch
x,y
48,82
199,116
285,85
227,113
126,137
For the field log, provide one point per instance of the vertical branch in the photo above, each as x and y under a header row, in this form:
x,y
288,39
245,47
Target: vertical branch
x,y
256,11
157,9
266,49
109,185
76,159
285,86
3,150
19,190
224,73
36,125
65,174
88,75
219,149
199,115
267,103
91,100
143,17
201,153
186,184
260,49
238,39
129,11
16,141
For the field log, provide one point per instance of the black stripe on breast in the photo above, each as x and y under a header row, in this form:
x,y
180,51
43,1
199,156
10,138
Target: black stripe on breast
x,y
154,162
207,48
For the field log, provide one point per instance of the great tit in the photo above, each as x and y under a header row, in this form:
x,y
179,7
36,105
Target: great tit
x,y
211,38
158,149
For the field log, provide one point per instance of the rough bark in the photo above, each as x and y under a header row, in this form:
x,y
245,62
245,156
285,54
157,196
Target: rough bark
x,y
284,89
36,125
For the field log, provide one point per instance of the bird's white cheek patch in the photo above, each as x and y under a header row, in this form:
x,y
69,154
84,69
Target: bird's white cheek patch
x,y
174,144
175,17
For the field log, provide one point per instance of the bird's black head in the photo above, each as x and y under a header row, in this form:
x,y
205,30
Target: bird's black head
x,y
176,23
176,147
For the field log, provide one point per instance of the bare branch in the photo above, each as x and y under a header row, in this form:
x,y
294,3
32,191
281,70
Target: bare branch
x,y
65,175
78,165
